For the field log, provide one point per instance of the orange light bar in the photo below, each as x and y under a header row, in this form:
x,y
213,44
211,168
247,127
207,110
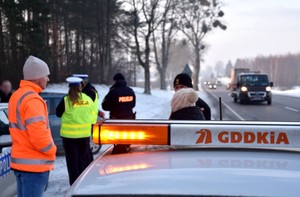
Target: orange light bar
x,y
145,134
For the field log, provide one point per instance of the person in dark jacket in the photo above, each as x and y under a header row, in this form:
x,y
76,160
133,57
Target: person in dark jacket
x,y
90,90
183,80
5,91
120,100
184,105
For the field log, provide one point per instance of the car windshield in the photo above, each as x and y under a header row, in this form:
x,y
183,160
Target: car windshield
x,y
260,80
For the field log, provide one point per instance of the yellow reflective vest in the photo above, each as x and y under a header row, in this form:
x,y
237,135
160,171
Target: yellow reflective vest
x,y
77,119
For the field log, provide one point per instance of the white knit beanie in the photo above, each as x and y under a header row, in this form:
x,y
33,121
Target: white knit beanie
x,y
35,68
186,97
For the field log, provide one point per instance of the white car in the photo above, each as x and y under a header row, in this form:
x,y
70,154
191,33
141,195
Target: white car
x,y
189,158
8,183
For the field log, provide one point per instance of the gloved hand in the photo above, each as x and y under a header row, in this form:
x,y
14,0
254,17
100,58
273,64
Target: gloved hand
x,y
101,114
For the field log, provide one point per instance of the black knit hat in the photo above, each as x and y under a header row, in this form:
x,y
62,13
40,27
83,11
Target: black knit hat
x,y
118,77
183,79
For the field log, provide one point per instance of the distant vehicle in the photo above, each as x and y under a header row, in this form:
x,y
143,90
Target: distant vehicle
x,y
8,183
188,158
219,83
212,86
253,87
52,100
234,76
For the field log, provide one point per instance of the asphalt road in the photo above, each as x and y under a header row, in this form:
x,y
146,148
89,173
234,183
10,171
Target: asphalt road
x,y
283,108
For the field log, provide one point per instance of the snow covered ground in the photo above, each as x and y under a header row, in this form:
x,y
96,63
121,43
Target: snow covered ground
x,y
295,92
155,106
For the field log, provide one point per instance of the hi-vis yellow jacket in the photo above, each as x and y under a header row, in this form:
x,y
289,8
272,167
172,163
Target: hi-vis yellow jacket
x,y
77,119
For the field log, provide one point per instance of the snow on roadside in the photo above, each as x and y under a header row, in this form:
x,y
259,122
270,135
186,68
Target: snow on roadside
x,y
295,92
154,106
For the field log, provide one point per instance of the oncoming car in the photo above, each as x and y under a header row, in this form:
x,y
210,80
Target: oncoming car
x,y
188,158
212,86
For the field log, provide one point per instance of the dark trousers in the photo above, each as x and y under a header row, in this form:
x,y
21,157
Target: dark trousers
x,y
78,156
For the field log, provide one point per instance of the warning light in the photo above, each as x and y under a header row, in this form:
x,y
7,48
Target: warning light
x,y
145,134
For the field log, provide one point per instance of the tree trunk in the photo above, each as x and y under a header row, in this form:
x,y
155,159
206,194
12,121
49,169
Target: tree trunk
x,y
162,73
54,44
197,67
147,89
66,34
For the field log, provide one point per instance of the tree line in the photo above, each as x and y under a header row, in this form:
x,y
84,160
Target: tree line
x,y
102,37
283,70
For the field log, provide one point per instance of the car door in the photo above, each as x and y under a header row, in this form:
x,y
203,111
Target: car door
x,y
8,184
54,121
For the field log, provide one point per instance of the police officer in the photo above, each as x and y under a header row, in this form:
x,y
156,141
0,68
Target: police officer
x,y
91,91
76,111
120,100
183,80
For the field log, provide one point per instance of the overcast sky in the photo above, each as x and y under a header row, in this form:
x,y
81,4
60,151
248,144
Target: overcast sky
x,y
255,27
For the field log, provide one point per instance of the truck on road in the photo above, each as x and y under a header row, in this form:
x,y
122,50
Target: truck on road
x,y
247,86
234,76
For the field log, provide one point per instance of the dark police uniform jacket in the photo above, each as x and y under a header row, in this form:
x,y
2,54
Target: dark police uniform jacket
x,y
120,101
203,105
90,90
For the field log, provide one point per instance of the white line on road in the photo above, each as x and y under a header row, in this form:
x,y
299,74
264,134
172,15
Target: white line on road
x,y
230,109
292,109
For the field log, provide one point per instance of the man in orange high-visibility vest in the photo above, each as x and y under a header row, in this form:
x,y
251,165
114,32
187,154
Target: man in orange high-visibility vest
x,y
33,149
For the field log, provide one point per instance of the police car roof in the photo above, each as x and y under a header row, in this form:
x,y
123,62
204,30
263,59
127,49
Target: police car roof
x,y
180,171
209,158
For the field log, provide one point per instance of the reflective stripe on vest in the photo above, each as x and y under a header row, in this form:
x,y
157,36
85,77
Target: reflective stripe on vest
x,y
31,161
77,120
19,124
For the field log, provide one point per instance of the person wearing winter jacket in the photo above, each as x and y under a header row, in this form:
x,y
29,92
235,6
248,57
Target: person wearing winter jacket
x,y
120,100
184,105
183,80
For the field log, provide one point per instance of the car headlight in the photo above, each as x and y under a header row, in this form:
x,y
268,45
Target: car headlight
x,y
210,86
244,89
268,89
215,86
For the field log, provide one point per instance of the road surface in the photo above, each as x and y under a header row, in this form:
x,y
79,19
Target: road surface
x,y
283,108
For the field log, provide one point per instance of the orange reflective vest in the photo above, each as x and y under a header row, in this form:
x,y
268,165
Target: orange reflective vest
x,y
33,149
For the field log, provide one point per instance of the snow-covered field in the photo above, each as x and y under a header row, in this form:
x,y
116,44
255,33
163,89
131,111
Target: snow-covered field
x,y
155,106
295,92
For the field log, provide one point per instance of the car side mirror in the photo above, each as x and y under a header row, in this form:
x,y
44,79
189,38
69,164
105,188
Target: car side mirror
x,y
238,84
5,141
271,84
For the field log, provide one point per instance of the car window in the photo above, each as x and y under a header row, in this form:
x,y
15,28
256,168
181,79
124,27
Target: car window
x,y
3,117
3,123
48,102
52,104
